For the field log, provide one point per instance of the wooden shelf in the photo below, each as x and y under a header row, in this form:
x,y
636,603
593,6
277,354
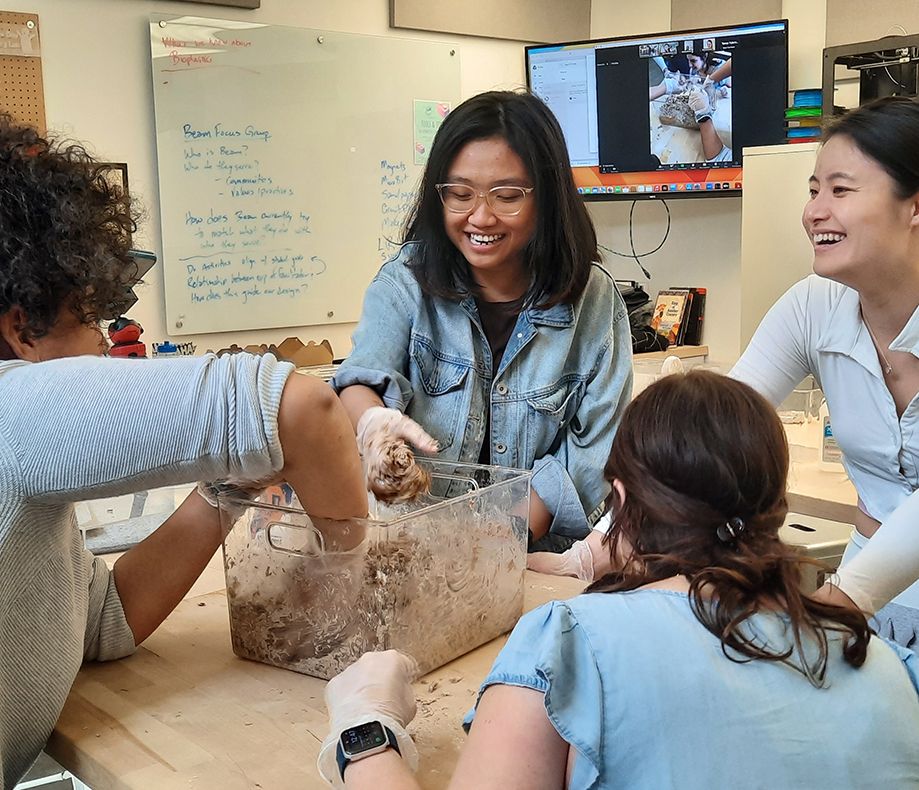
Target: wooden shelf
x,y
683,352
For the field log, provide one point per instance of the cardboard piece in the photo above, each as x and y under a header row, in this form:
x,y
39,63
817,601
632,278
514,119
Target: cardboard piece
x,y
292,349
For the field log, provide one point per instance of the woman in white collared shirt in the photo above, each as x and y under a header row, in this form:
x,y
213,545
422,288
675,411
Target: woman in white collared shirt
x,y
855,327
863,219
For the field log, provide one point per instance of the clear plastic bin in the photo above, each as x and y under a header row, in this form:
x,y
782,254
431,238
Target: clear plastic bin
x,y
433,578
118,523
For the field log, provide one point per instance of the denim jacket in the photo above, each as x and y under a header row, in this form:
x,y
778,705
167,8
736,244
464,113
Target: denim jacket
x,y
555,402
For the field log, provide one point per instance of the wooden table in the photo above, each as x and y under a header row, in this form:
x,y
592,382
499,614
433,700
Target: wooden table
x,y
185,712
812,491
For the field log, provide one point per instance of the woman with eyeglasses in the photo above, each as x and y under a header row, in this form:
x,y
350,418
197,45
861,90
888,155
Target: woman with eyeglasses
x,y
493,336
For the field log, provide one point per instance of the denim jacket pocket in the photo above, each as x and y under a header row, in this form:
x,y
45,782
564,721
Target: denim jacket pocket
x,y
558,404
441,396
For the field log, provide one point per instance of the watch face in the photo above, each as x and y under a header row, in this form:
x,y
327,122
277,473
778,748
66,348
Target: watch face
x,y
356,740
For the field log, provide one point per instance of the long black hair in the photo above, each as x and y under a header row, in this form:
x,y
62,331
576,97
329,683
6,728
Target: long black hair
x,y
564,243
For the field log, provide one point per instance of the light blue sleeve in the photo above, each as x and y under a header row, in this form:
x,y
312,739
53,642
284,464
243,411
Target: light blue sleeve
x,y
909,658
380,355
776,358
548,651
570,481
122,425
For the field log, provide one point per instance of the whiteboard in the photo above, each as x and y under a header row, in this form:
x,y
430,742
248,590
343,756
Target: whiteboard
x,y
286,163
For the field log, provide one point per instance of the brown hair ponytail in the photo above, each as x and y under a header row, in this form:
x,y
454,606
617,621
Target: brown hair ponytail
x,y
704,463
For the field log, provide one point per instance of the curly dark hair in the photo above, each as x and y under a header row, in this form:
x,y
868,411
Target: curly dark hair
x,y
65,232
703,460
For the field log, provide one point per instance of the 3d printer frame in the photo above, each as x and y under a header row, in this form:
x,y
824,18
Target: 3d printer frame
x,y
866,56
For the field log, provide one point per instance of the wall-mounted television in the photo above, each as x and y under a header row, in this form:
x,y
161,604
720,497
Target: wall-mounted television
x,y
638,111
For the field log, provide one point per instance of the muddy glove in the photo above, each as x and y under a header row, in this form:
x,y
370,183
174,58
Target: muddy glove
x,y
375,688
392,474
698,103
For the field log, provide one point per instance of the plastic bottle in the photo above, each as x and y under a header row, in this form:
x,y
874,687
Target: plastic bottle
x,y
829,456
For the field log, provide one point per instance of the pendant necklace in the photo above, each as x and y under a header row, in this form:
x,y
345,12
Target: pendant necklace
x,y
876,344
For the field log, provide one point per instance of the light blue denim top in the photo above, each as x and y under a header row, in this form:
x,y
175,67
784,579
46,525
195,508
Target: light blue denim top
x,y
647,698
556,400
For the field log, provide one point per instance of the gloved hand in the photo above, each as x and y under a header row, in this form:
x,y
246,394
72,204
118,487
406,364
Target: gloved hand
x,y
578,561
392,474
698,102
671,85
375,688
672,364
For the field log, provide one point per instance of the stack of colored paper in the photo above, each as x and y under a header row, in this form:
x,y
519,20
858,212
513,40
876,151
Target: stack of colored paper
x,y
804,117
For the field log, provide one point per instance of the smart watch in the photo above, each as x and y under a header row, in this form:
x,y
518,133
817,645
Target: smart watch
x,y
361,741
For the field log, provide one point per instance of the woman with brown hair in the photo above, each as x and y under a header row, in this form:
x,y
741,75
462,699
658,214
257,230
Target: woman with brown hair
x,y
700,663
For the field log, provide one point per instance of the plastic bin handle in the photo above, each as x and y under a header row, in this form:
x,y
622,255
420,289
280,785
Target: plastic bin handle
x,y
313,545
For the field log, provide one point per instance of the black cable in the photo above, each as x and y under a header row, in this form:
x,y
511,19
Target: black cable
x,y
638,256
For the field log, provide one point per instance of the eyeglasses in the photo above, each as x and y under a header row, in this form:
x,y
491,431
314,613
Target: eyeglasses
x,y
504,200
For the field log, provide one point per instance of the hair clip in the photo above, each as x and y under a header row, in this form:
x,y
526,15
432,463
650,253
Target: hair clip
x,y
731,530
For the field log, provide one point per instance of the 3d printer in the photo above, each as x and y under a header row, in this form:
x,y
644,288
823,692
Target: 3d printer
x,y
886,67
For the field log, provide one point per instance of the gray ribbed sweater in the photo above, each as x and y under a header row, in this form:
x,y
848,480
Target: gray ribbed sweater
x,y
86,428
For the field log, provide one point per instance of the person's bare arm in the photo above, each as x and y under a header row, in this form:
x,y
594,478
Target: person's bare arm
x,y
322,465
540,517
711,141
722,72
357,399
321,461
512,746
154,575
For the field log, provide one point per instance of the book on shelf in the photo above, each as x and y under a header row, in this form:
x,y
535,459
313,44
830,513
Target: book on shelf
x,y
669,313
691,330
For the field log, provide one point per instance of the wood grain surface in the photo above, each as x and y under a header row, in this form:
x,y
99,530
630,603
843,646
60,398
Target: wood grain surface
x,y
185,712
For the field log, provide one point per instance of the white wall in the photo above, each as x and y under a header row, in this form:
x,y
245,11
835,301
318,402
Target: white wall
x,y
610,18
96,64
703,248
96,70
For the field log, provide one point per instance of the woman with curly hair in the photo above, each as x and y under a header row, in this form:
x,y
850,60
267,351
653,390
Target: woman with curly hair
x,y
75,425
700,664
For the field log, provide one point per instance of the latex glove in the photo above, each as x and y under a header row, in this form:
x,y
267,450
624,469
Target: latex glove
x,y
672,364
392,474
698,102
671,85
578,561
377,687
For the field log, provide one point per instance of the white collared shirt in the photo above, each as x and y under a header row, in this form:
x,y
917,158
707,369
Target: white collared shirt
x,y
816,328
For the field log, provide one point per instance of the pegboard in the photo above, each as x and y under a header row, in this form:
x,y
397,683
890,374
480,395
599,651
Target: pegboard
x,y
21,87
